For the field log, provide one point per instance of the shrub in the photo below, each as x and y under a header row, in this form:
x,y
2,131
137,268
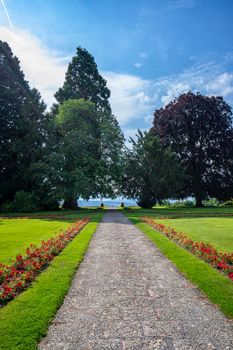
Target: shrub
x,y
228,203
24,202
8,207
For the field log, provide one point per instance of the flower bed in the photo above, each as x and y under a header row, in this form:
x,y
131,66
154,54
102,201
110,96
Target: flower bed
x,y
16,277
205,251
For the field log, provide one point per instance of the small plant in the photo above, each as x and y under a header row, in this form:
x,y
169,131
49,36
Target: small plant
x,y
228,203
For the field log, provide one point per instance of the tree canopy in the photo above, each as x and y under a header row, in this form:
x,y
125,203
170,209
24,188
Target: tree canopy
x,y
199,129
23,124
152,172
83,80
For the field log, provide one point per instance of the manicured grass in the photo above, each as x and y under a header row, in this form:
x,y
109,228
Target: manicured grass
x,y
17,234
216,231
184,212
24,321
217,287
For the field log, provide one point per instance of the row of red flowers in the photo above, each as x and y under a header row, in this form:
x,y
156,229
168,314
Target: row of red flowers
x,y
205,251
16,277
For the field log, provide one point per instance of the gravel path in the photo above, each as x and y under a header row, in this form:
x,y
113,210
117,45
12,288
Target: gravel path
x,y
127,295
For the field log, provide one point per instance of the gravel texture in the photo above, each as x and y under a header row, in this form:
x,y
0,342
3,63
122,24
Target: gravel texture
x,y
127,295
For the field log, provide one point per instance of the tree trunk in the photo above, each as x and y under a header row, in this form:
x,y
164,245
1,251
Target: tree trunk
x,y
70,203
198,201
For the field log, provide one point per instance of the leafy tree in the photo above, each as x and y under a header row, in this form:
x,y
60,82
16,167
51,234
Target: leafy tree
x,y
199,129
152,172
110,165
78,150
22,126
83,80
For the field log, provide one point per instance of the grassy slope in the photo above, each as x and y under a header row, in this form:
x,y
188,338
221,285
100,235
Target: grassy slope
x,y
17,234
24,321
218,231
217,287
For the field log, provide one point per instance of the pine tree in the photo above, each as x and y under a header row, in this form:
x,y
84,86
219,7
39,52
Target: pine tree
x,y
83,80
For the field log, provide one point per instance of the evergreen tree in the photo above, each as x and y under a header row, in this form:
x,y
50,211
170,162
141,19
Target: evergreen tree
x,y
83,80
152,172
22,126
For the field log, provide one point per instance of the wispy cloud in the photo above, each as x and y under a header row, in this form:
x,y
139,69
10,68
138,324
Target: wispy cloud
x,y
42,67
138,65
128,96
180,4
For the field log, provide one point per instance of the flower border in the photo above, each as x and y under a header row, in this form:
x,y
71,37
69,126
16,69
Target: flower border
x,y
221,261
19,275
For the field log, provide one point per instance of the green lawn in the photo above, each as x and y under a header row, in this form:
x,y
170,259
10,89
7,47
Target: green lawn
x,y
184,212
17,234
217,231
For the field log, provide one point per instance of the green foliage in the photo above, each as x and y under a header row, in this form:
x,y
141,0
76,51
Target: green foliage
x,y
78,149
151,173
199,129
183,204
23,123
24,202
7,207
228,203
84,81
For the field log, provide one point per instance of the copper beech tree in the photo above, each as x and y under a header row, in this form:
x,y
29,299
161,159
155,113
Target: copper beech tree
x,y
199,129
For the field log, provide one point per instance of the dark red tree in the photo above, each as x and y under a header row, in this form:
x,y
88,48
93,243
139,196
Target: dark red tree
x,y
199,130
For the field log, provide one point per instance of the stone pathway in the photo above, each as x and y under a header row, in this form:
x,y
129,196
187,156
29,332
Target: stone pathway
x,y
127,295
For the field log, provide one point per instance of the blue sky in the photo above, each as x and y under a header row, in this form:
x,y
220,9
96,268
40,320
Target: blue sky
x,y
149,51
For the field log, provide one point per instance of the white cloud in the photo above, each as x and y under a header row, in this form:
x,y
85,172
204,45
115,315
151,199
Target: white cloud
x,y
42,67
138,65
143,55
129,100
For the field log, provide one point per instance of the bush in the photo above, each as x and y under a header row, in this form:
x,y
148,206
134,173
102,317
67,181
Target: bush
x,y
183,204
228,203
122,205
8,207
24,202
146,201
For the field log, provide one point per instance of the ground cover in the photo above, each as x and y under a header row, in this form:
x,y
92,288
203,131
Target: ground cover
x,y
24,321
216,286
